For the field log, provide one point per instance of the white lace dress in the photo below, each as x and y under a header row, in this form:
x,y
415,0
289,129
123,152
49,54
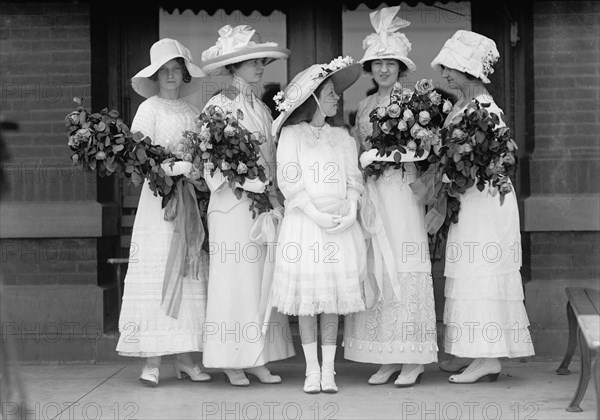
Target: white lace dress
x,y
400,327
484,314
145,330
315,271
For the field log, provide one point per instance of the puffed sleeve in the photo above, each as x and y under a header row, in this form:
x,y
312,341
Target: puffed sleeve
x,y
289,170
145,120
354,180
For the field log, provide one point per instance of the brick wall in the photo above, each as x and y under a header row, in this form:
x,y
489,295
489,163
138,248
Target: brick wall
x,y
567,98
45,61
564,248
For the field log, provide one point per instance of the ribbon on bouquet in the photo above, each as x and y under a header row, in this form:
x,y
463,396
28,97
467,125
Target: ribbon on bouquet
x,y
185,251
265,231
382,250
428,189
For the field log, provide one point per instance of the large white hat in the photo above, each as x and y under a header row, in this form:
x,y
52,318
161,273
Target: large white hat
x,y
386,42
343,72
161,52
468,52
239,44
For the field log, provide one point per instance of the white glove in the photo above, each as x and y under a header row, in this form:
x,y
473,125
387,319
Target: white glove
x,y
176,168
344,222
325,220
253,185
370,156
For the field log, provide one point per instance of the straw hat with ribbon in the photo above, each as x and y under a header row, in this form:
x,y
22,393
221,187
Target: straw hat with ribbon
x,y
161,52
386,42
342,71
236,45
468,52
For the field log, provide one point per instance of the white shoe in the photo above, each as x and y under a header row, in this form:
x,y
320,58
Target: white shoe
x,y
411,375
236,377
194,373
328,379
263,375
482,369
149,376
312,383
384,374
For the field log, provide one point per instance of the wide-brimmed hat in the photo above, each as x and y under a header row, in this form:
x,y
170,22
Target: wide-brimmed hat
x,y
236,45
343,72
386,42
161,52
468,52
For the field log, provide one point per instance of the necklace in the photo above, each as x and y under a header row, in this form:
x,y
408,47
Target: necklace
x,y
318,133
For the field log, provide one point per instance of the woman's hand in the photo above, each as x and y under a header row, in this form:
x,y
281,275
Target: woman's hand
x,y
344,222
367,157
253,185
176,168
325,220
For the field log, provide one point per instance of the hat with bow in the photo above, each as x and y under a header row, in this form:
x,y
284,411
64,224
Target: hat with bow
x,y
237,44
161,52
387,42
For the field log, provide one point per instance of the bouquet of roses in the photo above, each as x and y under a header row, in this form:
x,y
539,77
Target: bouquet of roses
x,y
103,143
410,125
473,153
226,145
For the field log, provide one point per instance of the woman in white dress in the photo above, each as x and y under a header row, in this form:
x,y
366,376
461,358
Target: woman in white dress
x,y
152,324
233,339
484,314
399,330
321,260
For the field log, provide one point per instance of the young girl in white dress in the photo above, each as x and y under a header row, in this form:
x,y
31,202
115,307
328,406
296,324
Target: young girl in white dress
x,y
234,339
147,330
399,330
484,314
321,259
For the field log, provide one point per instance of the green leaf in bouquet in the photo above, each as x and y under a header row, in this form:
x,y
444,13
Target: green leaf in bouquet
x,y
168,181
397,157
118,148
238,193
137,136
141,154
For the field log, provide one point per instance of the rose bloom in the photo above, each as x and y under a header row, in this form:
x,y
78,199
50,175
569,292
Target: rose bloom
x,y
242,168
424,117
75,158
418,132
204,133
447,106
402,126
229,131
394,110
381,112
424,86
467,148
73,141
458,134
84,132
225,166
435,98
194,173
73,117
100,155
407,115
187,157
385,127
406,95
411,145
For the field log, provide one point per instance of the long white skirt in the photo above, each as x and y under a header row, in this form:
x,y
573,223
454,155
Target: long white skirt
x,y
145,330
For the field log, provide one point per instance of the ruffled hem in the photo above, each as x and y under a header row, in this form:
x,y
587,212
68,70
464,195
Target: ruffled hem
x,y
341,307
390,352
488,342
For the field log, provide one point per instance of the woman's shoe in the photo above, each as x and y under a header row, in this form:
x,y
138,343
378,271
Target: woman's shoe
x,y
410,375
455,364
479,370
236,377
384,374
312,383
263,375
194,373
328,379
149,376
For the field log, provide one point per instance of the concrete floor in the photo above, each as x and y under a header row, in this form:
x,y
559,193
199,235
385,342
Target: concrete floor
x,y
525,390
